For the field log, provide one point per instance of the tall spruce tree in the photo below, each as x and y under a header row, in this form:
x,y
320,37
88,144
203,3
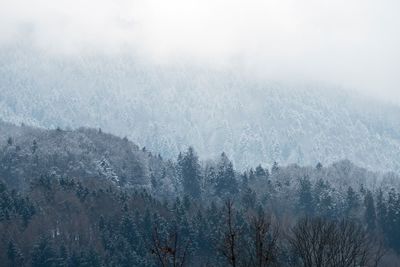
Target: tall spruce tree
x,y
261,173
226,180
305,196
393,219
189,168
322,199
381,210
370,214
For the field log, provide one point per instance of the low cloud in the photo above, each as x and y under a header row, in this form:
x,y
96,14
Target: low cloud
x,y
353,43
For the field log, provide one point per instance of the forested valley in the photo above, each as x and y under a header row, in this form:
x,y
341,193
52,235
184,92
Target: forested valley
x,y
87,198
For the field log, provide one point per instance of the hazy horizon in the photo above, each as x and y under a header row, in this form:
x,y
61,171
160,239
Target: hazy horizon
x,y
349,44
199,133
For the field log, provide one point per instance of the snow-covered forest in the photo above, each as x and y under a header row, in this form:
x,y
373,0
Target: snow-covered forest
x,y
87,198
167,108
204,133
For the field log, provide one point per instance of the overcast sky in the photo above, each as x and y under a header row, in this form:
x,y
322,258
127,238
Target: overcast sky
x,y
353,43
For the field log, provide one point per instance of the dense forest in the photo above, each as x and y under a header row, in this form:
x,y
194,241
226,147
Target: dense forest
x,y
168,107
87,198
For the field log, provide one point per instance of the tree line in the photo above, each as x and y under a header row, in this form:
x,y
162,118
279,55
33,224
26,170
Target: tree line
x,y
85,198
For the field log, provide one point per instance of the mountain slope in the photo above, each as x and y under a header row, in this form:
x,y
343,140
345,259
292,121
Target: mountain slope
x,y
168,108
27,153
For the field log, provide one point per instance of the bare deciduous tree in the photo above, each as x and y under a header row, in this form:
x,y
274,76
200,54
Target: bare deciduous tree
x,y
265,241
229,247
258,247
322,242
169,251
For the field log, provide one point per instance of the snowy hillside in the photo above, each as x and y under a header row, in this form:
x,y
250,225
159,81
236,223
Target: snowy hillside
x,y
168,108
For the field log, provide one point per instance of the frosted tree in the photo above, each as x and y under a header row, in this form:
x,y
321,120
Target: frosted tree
x,y
189,167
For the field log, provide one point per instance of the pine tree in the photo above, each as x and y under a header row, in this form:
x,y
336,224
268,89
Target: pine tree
x,y
63,256
128,229
189,168
351,203
319,166
393,220
245,181
249,198
10,141
252,175
186,202
370,214
154,182
275,168
261,174
34,146
210,178
91,258
381,210
226,181
305,196
323,201
43,254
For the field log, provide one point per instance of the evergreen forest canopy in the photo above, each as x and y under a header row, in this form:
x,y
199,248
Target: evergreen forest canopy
x,y
168,107
87,198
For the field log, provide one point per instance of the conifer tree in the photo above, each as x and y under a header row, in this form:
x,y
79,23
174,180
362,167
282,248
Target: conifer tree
x,y
226,181
261,174
393,219
322,199
381,210
43,254
351,203
370,214
14,255
305,196
189,167
275,168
